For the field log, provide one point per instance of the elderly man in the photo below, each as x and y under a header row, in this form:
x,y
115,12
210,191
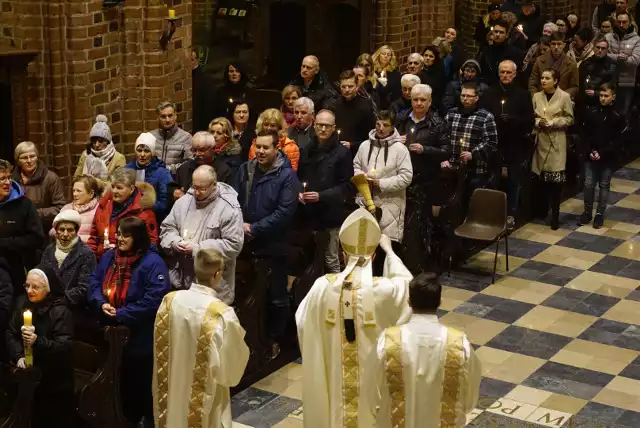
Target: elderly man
x,y
403,103
415,62
203,150
568,69
312,82
624,48
173,144
339,321
325,170
208,216
302,130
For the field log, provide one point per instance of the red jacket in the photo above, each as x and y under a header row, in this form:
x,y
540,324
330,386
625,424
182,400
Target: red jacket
x,y
141,207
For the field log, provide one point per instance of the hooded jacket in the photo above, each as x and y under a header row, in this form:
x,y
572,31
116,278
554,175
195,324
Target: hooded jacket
x,y
391,161
148,285
288,147
156,174
173,147
454,88
220,229
140,205
628,43
45,190
21,234
268,204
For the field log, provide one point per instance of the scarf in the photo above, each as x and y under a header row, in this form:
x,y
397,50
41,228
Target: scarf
x,y
288,116
86,207
118,277
203,203
62,252
96,163
120,208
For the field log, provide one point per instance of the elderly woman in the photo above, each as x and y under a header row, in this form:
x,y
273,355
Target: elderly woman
x,y
290,94
272,120
228,150
126,289
242,129
42,186
85,202
125,198
50,337
385,67
69,257
427,136
554,114
153,171
101,157
408,82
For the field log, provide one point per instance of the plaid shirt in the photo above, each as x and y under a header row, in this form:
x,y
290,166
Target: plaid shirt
x,y
475,133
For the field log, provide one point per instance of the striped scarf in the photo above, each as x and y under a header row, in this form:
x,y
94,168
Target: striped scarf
x,y
116,283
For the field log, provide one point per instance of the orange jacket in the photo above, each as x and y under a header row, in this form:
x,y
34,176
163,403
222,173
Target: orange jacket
x,y
288,146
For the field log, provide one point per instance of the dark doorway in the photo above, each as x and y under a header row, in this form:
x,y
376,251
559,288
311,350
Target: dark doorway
x,y
6,119
344,49
287,41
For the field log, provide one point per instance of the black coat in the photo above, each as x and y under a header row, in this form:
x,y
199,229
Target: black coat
x,y
400,105
185,173
598,71
516,124
603,128
434,76
74,272
320,90
531,25
225,95
386,94
493,55
355,119
203,100
327,170
6,294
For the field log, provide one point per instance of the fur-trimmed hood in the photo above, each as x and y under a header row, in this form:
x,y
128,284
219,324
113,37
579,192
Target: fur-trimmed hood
x,y
146,190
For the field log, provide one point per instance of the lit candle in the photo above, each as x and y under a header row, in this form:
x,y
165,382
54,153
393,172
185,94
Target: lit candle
x,y
520,27
28,318
502,106
172,14
491,28
28,352
383,74
185,234
304,186
373,172
339,131
230,100
106,236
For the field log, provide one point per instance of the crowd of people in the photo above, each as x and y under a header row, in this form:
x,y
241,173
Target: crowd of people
x,y
179,214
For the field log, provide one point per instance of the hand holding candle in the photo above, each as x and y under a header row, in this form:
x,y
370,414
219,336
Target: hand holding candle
x,y
304,187
28,336
502,106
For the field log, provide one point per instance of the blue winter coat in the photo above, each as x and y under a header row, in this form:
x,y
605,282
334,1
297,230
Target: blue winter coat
x,y
268,204
148,286
157,174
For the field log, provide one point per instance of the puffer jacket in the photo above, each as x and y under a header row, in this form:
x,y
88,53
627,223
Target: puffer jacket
x,y
140,205
288,146
629,44
173,147
392,164
156,174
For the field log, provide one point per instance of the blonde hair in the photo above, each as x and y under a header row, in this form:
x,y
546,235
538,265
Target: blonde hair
x,y
393,62
271,115
371,77
23,147
206,264
289,89
227,130
510,19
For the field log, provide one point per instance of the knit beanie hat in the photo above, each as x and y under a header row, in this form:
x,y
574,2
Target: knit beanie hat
x,y
71,216
100,129
146,139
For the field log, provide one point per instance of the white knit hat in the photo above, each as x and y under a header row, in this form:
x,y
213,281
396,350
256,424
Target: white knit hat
x,y
146,139
100,129
71,216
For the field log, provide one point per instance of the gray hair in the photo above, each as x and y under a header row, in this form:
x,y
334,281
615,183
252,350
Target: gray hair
x,y
163,105
550,25
421,89
206,137
23,147
416,56
306,102
208,170
123,175
510,63
410,80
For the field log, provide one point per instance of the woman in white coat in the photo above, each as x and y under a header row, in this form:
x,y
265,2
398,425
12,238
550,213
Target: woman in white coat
x,y
386,162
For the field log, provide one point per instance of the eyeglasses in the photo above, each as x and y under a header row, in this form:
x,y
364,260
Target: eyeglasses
x,y
33,287
200,151
200,189
323,126
5,179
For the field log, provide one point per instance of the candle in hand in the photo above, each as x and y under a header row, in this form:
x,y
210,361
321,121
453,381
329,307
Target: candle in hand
x,y
502,106
339,131
304,186
373,172
28,318
172,13
106,236
28,352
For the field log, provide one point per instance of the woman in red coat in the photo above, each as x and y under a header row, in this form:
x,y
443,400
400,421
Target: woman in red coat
x,y
124,198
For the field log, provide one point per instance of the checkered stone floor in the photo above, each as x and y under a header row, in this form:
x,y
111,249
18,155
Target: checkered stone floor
x,y
558,335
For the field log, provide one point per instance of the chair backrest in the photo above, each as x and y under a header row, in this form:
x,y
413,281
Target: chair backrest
x,y
488,207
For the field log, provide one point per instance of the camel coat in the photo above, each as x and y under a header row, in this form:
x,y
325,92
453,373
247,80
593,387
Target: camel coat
x,y
551,143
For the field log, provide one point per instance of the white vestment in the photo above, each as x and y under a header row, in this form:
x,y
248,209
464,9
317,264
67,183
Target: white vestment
x,y
199,353
333,368
422,375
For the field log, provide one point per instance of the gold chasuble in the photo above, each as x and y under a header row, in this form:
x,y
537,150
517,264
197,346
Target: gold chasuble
x,y
339,322
199,353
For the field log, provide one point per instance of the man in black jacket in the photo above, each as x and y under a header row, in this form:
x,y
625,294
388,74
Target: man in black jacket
x,y
603,127
596,71
312,82
500,50
325,171
512,108
21,235
354,114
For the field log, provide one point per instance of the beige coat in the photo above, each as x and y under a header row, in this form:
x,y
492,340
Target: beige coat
x,y
551,143
118,161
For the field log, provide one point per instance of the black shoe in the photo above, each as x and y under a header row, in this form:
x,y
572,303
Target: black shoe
x,y
598,222
585,218
555,223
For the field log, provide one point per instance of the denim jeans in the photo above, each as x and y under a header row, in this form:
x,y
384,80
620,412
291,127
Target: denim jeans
x,y
278,306
600,172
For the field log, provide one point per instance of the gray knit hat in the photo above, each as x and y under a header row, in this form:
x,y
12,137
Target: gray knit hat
x,y
100,128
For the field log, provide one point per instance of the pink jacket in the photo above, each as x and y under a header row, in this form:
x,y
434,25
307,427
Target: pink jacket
x,y
87,219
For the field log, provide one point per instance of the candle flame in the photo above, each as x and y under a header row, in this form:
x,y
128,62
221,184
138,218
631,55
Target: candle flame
x,y
230,100
413,130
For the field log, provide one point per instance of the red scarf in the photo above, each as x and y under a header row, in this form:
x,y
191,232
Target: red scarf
x,y
116,282
219,149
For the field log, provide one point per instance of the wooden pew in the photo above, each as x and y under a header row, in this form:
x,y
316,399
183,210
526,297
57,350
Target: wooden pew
x,y
26,382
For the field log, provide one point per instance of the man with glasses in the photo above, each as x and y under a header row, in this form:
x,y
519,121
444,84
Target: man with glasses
x,y
203,151
595,71
208,216
558,60
325,170
624,48
21,233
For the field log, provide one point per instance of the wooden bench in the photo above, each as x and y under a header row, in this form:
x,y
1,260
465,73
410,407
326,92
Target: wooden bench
x,y
23,383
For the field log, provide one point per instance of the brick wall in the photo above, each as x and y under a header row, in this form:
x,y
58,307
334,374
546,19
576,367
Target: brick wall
x,y
94,61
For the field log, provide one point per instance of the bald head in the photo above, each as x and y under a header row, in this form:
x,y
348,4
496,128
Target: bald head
x,y
310,67
325,125
204,180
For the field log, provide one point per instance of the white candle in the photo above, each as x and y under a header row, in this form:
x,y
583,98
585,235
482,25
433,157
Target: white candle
x,y
502,106
383,74
304,186
185,234
106,236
